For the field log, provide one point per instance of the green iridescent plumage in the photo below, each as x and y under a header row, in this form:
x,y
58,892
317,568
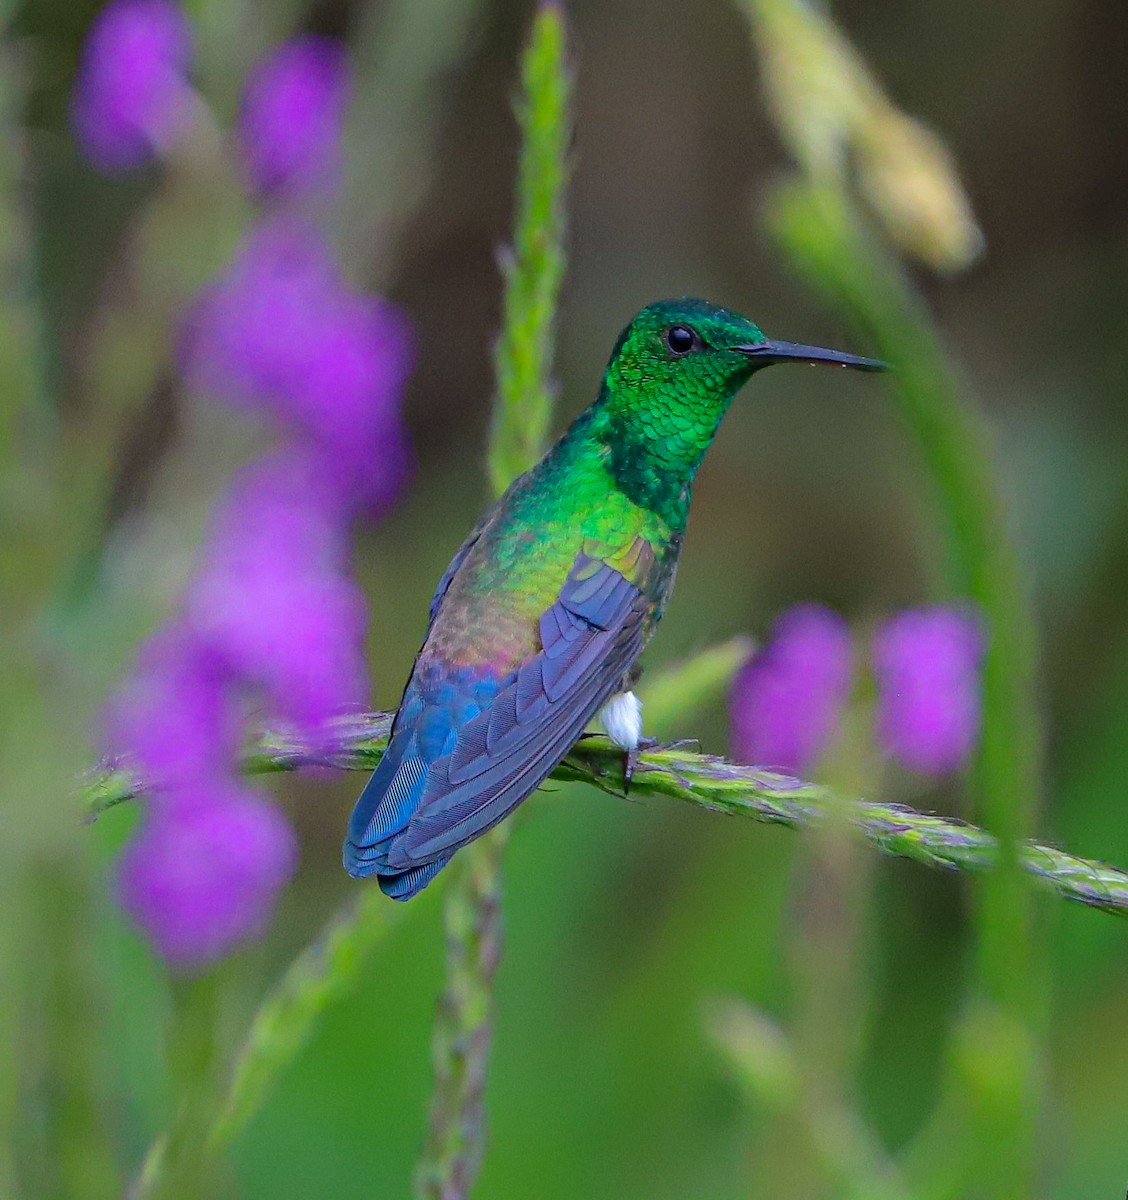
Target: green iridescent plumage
x,y
549,602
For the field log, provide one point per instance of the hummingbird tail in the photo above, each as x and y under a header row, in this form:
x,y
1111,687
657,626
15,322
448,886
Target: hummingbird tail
x,y
402,885
382,813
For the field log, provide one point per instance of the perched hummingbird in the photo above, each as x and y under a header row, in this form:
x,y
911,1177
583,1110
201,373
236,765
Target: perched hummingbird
x,y
542,614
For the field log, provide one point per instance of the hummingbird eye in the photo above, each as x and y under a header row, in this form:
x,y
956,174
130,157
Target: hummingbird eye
x,y
680,340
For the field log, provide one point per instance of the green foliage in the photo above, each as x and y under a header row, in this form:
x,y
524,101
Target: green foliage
x,y
691,686
890,1039
327,969
816,223
534,268
759,1055
720,786
523,360
818,230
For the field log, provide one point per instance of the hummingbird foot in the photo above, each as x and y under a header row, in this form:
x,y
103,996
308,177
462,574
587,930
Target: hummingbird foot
x,y
632,763
634,766
621,717
680,744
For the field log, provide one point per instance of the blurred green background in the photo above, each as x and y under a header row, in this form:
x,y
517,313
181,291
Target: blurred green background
x,y
622,919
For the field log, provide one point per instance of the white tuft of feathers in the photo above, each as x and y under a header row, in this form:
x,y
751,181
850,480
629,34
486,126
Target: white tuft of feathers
x,y
621,718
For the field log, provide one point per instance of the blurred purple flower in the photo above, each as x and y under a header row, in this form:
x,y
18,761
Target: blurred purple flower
x,y
283,506
271,608
272,602
204,871
280,331
131,99
290,125
786,700
300,637
926,662
174,714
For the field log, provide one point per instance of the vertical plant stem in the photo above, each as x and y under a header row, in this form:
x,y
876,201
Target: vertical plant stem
x,y
826,241
285,1021
26,423
463,1024
195,1060
523,404
534,265
78,1143
34,766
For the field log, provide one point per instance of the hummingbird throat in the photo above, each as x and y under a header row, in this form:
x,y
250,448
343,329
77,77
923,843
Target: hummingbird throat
x,y
656,444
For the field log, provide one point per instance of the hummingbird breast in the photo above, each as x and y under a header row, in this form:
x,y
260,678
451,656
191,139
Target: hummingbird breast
x,y
520,559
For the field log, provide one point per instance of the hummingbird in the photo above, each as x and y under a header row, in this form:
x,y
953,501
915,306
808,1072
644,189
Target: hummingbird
x,y
539,621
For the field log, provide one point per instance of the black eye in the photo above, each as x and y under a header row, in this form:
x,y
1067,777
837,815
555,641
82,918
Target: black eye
x,y
680,339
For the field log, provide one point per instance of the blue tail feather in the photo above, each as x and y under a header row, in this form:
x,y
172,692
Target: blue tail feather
x,y
385,806
434,707
402,885
423,733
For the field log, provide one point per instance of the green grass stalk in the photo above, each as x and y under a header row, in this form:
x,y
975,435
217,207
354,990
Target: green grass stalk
x,y
716,785
533,269
765,1065
325,972
330,967
195,1064
825,239
671,695
534,266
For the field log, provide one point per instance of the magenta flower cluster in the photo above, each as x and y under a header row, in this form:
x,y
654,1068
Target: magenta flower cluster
x,y
926,664
289,128
281,333
272,621
787,699
131,98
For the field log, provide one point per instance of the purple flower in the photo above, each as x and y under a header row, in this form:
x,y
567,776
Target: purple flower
x,y
174,714
785,701
131,99
926,662
286,506
290,125
204,870
271,610
271,600
281,332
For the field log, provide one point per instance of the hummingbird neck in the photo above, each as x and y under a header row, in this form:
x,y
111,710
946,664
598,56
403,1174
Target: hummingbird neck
x,y
655,445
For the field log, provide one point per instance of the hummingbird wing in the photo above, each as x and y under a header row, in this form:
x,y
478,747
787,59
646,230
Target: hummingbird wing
x,y
444,781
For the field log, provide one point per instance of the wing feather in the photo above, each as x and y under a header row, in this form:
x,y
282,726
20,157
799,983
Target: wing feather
x,y
420,807
604,623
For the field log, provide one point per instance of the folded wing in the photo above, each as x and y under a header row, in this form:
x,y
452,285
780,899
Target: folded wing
x,y
467,749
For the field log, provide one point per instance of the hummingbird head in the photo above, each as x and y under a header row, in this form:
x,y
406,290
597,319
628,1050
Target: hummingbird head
x,y
692,343
673,373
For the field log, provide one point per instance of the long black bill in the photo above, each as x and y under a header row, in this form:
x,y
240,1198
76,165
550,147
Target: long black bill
x,y
773,352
